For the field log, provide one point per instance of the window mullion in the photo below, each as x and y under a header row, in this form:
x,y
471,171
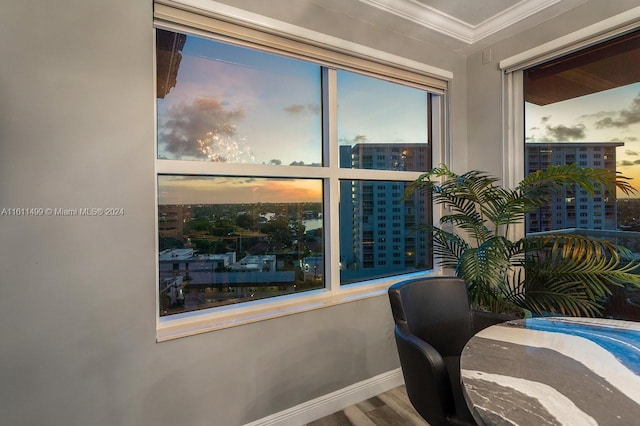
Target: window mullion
x,y
331,185
232,169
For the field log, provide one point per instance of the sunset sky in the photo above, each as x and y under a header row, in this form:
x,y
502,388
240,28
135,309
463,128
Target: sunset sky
x,y
244,106
236,190
241,104
612,115
238,105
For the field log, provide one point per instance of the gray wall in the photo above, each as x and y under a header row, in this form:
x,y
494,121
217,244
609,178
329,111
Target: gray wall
x,y
484,85
77,309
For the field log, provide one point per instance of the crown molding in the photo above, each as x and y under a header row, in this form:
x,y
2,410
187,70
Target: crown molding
x,y
592,34
436,20
427,17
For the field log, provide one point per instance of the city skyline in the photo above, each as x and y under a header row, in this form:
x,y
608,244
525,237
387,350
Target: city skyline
x,y
189,190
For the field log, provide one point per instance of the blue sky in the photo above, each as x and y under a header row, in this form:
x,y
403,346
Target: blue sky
x,y
375,110
239,105
246,106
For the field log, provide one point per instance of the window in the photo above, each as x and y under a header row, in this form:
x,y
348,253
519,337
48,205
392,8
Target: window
x,y
594,118
607,97
266,189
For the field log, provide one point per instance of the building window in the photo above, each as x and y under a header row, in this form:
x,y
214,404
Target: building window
x,y
255,163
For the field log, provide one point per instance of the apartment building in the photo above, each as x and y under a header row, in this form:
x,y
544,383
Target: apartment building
x,y
383,236
574,208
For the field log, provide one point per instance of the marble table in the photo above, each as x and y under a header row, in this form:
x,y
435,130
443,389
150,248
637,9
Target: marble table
x,y
554,371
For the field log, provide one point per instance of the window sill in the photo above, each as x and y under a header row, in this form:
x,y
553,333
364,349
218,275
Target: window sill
x,y
197,322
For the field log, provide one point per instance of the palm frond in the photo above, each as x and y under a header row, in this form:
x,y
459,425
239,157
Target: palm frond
x,y
560,273
541,184
484,267
560,299
570,274
471,223
511,208
448,247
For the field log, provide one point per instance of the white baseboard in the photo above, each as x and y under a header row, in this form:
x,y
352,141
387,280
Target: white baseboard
x,y
327,404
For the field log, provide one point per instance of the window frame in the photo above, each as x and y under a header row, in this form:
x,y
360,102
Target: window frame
x,y
208,24
512,86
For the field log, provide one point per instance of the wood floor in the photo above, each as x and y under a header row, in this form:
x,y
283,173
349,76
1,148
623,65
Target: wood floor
x,y
391,408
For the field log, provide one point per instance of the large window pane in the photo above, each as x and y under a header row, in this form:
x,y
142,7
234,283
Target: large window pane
x,y
247,230
223,103
378,236
226,240
381,125
584,108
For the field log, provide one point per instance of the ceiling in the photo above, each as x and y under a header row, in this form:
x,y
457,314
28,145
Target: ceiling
x,y
600,67
472,25
471,21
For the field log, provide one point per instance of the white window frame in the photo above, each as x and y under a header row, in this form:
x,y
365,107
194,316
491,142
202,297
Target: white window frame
x,y
224,23
513,88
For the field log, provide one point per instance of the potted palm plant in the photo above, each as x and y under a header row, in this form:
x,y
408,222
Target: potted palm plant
x,y
556,272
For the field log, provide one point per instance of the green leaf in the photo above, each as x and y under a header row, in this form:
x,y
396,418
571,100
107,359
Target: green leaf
x,y
552,273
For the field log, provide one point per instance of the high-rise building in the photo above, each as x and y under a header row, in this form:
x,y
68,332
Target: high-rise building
x,y
382,235
573,208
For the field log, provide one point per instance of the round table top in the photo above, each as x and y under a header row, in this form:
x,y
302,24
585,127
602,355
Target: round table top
x,y
554,370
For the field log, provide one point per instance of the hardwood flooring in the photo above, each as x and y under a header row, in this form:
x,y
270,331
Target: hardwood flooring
x,y
391,408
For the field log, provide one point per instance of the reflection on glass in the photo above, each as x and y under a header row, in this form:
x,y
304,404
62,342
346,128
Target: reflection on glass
x,y
378,236
381,125
224,103
226,240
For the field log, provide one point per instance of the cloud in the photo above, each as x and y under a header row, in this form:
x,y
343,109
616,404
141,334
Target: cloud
x,y
193,130
299,109
302,163
625,139
628,163
631,153
357,139
295,109
622,118
545,119
566,133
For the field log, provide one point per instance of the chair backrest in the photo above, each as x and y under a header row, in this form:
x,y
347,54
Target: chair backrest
x,y
426,378
435,309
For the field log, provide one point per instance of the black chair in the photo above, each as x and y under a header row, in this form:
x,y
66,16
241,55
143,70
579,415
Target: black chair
x,y
433,323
